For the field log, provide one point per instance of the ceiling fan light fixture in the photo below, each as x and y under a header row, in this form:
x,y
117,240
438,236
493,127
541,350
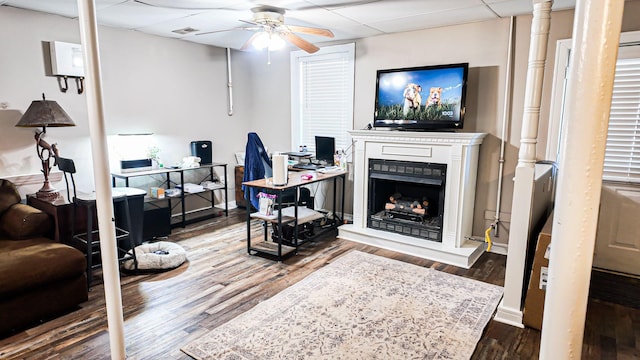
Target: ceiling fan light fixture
x,y
276,43
268,40
261,41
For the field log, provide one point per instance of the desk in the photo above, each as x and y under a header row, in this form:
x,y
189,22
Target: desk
x,y
170,182
278,249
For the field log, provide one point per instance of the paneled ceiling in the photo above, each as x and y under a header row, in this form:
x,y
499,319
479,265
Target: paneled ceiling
x,y
347,19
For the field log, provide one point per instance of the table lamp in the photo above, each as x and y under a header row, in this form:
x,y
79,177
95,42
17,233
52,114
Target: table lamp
x,y
43,113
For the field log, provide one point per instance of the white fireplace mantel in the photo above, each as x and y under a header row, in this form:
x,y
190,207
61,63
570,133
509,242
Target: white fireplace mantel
x,y
459,151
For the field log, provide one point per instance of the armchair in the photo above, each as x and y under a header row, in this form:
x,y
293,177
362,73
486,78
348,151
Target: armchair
x,y
40,277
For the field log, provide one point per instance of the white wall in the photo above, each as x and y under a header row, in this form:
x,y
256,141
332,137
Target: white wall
x,y
174,89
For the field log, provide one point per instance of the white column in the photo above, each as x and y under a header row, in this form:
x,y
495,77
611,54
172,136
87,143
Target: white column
x,y
100,155
510,308
596,33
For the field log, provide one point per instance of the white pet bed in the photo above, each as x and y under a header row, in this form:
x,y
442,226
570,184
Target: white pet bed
x,y
161,255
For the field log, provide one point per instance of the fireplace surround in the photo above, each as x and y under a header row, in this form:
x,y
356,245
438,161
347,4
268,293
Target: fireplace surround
x,y
438,166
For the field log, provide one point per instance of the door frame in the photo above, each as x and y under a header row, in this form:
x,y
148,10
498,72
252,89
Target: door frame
x,y
560,71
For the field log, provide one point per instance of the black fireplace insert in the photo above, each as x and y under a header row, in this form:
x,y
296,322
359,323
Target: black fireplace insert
x,y
407,198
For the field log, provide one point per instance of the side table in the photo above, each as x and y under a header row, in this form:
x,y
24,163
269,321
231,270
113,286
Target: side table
x,y
60,211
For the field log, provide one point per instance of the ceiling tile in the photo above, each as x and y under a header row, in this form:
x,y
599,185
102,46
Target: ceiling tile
x,y
213,20
68,8
132,15
443,18
400,9
342,27
227,39
191,4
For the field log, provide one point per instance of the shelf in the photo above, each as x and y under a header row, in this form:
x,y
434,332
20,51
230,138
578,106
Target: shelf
x,y
195,216
216,183
273,218
271,248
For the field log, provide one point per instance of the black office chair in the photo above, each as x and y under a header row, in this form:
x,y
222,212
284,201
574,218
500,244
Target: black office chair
x,y
90,239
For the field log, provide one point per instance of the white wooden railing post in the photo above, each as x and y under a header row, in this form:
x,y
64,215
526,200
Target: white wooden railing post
x,y
510,308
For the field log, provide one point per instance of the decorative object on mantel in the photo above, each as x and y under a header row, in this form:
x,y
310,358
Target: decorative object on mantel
x,y
44,113
360,306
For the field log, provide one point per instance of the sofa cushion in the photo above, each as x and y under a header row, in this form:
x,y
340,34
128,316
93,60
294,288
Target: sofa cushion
x,y
8,195
31,263
23,221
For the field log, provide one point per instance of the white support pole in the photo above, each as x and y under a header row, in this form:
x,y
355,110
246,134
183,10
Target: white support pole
x,y
510,308
100,155
596,34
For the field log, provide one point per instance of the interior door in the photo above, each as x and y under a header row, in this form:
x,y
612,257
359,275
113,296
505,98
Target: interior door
x,y
618,235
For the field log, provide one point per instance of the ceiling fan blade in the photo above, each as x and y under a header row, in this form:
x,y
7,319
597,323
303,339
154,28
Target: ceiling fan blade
x,y
249,22
255,28
248,42
310,30
300,42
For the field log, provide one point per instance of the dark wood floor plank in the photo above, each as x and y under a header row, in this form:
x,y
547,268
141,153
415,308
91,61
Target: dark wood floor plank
x,y
164,311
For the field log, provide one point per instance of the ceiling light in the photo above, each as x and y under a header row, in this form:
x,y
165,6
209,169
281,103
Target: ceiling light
x,y
276,43
268,40
261,41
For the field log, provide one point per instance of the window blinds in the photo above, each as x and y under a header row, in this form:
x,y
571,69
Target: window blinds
x,y
622,154
325,98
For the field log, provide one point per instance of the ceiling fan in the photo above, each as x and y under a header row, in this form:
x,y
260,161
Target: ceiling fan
x,y
268,24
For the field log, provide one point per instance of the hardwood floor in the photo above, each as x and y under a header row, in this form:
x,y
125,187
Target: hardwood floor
x,y
220,281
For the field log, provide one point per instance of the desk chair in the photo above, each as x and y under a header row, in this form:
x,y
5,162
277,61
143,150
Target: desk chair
x,y
90,239
257,165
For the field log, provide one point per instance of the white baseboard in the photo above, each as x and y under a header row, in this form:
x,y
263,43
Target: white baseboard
x,y
508,316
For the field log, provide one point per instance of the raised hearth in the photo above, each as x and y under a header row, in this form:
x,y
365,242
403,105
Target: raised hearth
x,y
451,211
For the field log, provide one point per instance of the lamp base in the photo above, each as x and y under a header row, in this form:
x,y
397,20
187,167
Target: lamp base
x,y
50,195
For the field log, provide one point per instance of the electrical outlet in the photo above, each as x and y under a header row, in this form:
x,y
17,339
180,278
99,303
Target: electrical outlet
x,y
4,105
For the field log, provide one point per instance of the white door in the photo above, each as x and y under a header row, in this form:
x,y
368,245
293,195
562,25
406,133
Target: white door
x,y
618,234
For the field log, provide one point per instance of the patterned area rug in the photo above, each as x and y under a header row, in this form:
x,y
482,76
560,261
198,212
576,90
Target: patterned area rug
x,y
361,306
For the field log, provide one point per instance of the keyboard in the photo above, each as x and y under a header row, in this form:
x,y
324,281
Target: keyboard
x,y
329,169
307,166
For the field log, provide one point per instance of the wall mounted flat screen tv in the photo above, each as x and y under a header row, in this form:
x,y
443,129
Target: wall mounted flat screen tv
x,y
421,98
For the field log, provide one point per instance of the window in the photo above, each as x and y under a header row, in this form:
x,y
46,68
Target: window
x,y
322,95
622,155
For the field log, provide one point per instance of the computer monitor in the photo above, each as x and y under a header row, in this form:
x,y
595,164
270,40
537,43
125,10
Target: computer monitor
x,y
325,149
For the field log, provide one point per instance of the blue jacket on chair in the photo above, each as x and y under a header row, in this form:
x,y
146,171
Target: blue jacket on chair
x,y
257,165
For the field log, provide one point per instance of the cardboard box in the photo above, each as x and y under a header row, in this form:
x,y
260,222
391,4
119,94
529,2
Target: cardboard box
x,y
534,301
157,192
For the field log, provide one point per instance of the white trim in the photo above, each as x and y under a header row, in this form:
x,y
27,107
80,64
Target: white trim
x,y
563,49
509,316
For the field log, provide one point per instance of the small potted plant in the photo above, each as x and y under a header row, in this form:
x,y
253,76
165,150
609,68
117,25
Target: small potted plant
x,y
152,153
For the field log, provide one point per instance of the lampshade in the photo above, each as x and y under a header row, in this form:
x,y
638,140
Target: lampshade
x,y
45,113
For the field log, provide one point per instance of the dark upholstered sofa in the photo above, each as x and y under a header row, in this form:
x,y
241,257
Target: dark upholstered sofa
x,y
39,278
